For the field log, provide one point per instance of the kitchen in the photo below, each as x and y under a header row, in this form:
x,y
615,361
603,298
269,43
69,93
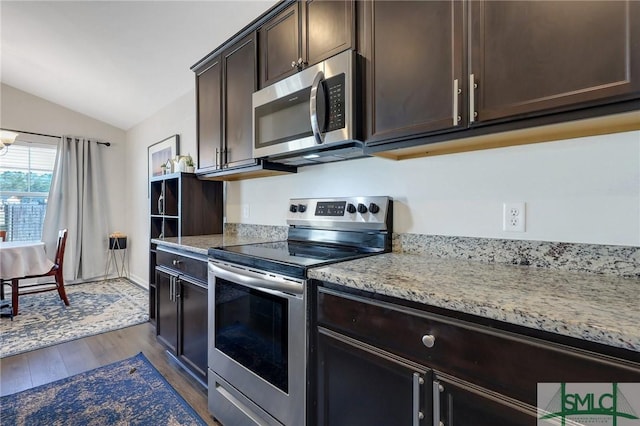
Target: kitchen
x,y
577,190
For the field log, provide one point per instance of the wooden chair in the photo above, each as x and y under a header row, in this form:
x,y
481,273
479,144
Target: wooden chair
x,y
56,272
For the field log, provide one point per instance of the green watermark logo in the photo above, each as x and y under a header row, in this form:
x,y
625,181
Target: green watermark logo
x,y
589,404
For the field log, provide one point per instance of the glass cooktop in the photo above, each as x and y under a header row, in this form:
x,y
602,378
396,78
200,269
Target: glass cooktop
x,y
286,257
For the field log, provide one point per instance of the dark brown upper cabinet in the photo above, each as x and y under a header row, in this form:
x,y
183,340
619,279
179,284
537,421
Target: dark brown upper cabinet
x,y
534,56
280,46
239,84
209,106
439,71
224,90
413,67
303,34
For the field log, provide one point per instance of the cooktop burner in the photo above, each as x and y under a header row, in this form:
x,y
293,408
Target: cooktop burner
x,y
321,232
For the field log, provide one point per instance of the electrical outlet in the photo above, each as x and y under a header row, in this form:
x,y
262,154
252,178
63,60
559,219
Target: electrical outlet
x,y
514,217
245,211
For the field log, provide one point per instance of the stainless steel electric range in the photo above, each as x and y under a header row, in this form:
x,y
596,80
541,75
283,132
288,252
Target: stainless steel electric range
x,y
258,324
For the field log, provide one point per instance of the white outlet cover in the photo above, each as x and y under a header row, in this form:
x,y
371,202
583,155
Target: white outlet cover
x,y
514,216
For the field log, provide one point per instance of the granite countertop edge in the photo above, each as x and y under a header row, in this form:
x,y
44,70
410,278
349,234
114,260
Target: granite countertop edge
x,y
595,308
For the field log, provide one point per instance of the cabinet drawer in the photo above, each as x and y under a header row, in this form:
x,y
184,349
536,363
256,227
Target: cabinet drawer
x,y
505,362
181,263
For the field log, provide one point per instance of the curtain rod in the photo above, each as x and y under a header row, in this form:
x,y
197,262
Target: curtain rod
x,y
49,136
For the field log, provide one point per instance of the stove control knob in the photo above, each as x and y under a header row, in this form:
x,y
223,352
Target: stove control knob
x,y
293,208
302,208
373,208
362,208
351,208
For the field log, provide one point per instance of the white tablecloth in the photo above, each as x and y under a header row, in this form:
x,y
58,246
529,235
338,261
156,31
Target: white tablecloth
x,y
23,258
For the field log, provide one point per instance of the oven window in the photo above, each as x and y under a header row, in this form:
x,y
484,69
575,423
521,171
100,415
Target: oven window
x,y
251,328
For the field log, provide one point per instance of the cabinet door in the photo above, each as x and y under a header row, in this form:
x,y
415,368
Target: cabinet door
x,y
466,405
193,326
279,46
209,92
240,83
413,53
152,284
532,56
359,386
166,311
328,29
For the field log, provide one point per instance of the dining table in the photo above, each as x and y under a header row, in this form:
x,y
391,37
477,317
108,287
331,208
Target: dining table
x,y
19,259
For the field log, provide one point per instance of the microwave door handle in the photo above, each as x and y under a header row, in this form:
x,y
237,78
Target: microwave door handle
x,y
313,108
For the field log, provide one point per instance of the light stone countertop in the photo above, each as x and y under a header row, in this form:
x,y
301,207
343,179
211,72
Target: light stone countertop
x,y
598,308
201,243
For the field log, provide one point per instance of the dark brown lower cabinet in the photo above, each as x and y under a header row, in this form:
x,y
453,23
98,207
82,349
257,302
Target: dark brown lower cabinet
x,y
182,309
358,385
361,385
462,404
193,326
379,361
166,311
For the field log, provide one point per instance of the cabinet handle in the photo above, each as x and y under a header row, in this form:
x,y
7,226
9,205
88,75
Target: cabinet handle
x,y
472,98
217,153
437,388
174,288
300,63
456,94
177,262
417,414
428,340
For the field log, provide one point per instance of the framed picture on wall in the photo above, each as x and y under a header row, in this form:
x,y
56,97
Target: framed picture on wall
x,y
160,152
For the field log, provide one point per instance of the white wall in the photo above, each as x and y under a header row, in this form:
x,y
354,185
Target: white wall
x,y
176,118
22,111
584,190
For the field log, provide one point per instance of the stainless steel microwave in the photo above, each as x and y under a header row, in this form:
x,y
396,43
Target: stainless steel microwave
x,y
310,116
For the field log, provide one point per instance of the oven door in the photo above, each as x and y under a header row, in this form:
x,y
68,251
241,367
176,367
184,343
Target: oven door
x,y
257,346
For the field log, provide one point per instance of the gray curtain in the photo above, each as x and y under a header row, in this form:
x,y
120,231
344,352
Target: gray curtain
x,y
77,202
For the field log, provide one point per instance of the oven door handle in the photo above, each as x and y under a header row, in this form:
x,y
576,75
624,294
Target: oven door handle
x,y
273,285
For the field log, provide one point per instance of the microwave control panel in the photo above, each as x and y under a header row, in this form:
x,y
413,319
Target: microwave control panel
x,y
335,96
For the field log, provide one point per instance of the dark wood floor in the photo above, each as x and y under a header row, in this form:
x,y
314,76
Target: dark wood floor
x,y
30,369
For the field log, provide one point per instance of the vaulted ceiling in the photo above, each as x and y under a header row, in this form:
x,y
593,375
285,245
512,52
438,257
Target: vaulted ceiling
x,y
116,61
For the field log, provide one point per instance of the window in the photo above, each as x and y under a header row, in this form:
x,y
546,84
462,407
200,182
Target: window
x,y
25,177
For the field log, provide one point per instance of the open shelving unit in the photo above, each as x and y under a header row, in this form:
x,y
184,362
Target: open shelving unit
x,y
181,205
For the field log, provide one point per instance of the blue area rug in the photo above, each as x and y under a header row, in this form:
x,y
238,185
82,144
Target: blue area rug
x,y
129,392
95,307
